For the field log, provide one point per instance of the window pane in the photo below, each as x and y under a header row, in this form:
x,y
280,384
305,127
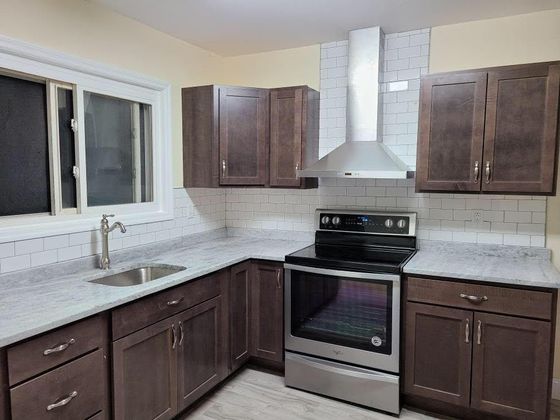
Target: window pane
x,y
118,150
67,151
24,157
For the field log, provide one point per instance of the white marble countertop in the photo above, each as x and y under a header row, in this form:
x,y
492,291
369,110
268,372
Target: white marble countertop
x,y
39,300
520,266
35,301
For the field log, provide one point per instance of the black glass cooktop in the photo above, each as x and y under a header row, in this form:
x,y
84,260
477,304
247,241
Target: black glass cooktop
x,y
365,258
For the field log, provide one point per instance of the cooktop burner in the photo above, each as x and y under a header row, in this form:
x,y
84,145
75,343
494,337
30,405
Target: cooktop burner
x,y
360,241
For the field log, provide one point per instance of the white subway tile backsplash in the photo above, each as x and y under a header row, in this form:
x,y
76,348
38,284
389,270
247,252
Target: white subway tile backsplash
x,y
19,262
29,246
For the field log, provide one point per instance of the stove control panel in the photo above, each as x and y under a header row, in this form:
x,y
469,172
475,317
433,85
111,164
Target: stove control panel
x,y
367,222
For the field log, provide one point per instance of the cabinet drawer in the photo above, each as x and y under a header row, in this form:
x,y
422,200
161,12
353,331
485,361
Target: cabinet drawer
x,y
74,391
147,311
529,303
40,354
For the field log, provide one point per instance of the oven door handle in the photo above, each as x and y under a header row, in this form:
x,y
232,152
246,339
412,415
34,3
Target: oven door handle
x,y
341,273
344,370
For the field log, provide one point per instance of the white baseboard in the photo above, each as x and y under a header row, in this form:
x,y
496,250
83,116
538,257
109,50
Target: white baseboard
x,y
556,388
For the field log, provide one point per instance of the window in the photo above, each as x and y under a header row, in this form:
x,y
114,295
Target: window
x,y
118,150
78,140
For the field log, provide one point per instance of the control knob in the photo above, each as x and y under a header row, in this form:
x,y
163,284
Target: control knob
x,y
325,220
389,223
401,224
336,220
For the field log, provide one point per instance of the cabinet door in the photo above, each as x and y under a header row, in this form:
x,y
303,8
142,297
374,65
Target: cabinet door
x,y
521,129
201,365
286,136
451,132
243,136
145,373
267,312
239,292
510,372
438,353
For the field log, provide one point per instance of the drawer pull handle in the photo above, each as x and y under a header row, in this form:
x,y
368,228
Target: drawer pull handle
x,y
182,333
59,348
473,299
63,401
278,282
467,332
174,302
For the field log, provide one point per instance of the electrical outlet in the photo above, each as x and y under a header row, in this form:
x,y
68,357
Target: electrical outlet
x,y
477,216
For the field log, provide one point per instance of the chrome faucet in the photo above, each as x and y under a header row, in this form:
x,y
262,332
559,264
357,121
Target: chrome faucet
x,y
105,262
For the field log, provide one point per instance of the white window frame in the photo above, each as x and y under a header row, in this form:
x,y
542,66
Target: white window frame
x,y
87,75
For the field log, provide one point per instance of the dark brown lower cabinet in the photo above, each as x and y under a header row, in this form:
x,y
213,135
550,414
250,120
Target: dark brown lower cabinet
x,y
145,373
267,311
4,405
476,364
239,319
200,345
511,361
438,353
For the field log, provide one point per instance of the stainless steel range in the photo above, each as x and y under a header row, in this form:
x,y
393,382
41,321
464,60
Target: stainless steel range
x,y
342,307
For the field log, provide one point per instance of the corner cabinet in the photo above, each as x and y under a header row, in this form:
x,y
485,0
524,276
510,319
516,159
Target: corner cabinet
x,y
481,350
242,136
490,130
240,310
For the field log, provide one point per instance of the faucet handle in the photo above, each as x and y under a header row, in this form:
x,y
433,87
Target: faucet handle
x,y
105,216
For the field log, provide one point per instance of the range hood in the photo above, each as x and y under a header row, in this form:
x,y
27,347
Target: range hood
x,y
362,155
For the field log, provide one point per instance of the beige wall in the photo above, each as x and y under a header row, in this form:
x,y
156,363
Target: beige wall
x,y
295,66
518,39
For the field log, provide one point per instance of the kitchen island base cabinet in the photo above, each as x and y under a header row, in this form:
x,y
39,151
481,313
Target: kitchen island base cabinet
x,y
267,312
476,363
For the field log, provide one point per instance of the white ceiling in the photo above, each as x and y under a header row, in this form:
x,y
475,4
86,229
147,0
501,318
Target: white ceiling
x,y
233,27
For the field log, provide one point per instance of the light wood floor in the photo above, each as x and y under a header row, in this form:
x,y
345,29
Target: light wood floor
x,y
257,395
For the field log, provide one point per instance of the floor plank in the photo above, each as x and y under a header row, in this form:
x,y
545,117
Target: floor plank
x,y
257,395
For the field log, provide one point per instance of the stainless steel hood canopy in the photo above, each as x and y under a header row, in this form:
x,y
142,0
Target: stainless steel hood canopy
x,y
362,155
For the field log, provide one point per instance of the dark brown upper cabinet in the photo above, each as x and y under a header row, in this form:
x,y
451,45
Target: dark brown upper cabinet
x,y
451,132
227,136
294,127
243,136
490,130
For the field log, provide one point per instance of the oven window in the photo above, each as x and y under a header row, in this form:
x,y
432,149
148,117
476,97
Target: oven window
x,y
344,311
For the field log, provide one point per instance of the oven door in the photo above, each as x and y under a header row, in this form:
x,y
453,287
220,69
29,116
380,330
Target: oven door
x,y
343,315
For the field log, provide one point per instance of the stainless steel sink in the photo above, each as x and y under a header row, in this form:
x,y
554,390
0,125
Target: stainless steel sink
x,y
139,275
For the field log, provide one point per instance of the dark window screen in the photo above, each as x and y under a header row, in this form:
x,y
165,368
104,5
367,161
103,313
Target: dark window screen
x,y
24,154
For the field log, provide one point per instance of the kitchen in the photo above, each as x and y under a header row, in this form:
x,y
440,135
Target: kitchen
x,y
267,195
